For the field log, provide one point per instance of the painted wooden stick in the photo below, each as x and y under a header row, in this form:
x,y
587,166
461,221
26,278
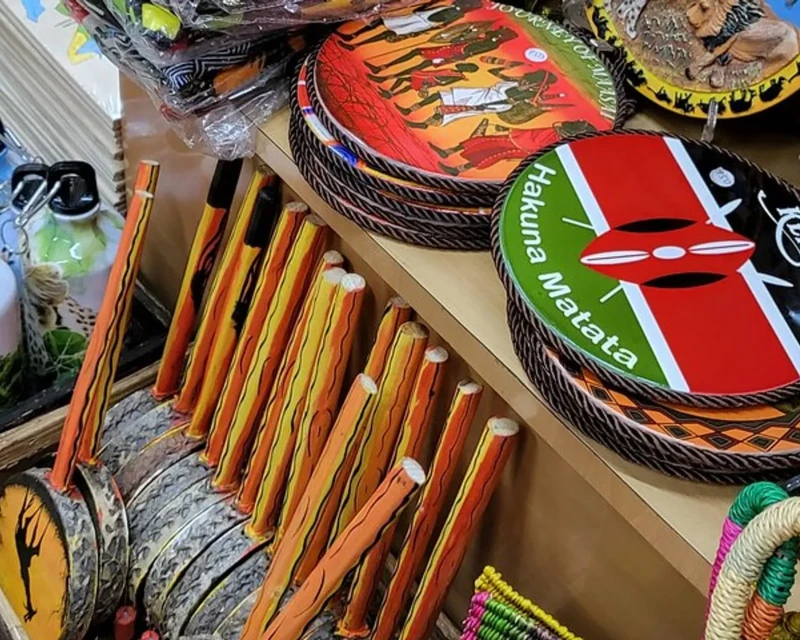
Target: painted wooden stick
x,y
356,411
270,347
397,381
480,481
324,389
327,475
396,314
213,315
415,546
289,224
203,255
380,511
147,174
418,418
241,291
283,419
96,362
258,460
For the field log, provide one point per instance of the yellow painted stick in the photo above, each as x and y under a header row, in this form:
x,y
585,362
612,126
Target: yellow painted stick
x,y
356,411
273,266
213,314
419,415
414,550
237,306
284,420
380,511
396,314
200,264
324,390
283,381
400,372
480,481
270,347
81,430
329,472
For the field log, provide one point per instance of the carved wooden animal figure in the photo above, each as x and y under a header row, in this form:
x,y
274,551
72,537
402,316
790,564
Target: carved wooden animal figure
x,y
742,30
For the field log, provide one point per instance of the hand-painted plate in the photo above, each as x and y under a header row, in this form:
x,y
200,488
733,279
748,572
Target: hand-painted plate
x,y
722,446
670,268
456,95
745,54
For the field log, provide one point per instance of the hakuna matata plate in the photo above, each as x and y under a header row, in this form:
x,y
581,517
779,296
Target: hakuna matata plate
x,y
668,267
745,54
455,96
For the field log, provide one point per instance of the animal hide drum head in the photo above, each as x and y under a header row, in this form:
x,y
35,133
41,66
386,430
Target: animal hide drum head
x,y
669,268
682,54
455,96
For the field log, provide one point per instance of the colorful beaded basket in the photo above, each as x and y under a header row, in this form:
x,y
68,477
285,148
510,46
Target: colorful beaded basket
x,y
498,612
755,567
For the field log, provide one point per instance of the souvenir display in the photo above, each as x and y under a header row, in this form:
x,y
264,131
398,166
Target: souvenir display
x,y
462,93
499,612
68,252
684,55
654,299
61,572
11,347
200,264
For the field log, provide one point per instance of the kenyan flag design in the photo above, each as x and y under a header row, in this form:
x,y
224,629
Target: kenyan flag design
x,y
671,263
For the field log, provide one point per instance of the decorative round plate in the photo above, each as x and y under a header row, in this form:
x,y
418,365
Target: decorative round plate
x,y
728,446
745,54
456,96
668,267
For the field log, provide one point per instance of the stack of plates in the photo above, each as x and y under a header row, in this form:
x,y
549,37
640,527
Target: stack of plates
x,y
410,124
58,95
653,298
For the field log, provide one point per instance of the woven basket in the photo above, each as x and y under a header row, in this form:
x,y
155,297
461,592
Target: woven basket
x,y
755,568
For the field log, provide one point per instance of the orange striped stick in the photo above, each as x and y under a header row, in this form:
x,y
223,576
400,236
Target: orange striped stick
x,y
324,389
283,421
98,363
330,472
147,174
270,347
402,363
396,313
254,474
417,422
273,266
356,411
415,546
203,255
237,306
381,510
480,481
213,314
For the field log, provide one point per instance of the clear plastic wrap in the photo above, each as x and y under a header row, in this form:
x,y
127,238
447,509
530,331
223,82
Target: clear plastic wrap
x,y
213,84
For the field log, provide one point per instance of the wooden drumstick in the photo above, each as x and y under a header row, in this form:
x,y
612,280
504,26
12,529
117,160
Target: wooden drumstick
x,y
274,263
396,314
415,546
480,481
324,389
400,372
379,512
202,256
283,382
270,347
242,285
419,415
147,174
213,315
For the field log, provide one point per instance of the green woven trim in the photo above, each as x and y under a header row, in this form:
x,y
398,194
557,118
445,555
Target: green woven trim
x,y
753,499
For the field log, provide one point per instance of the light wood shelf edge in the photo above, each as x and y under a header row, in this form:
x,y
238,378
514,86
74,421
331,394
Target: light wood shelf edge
x,y
681,520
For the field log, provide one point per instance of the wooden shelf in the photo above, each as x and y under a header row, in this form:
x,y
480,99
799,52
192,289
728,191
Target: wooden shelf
x,y
460,296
